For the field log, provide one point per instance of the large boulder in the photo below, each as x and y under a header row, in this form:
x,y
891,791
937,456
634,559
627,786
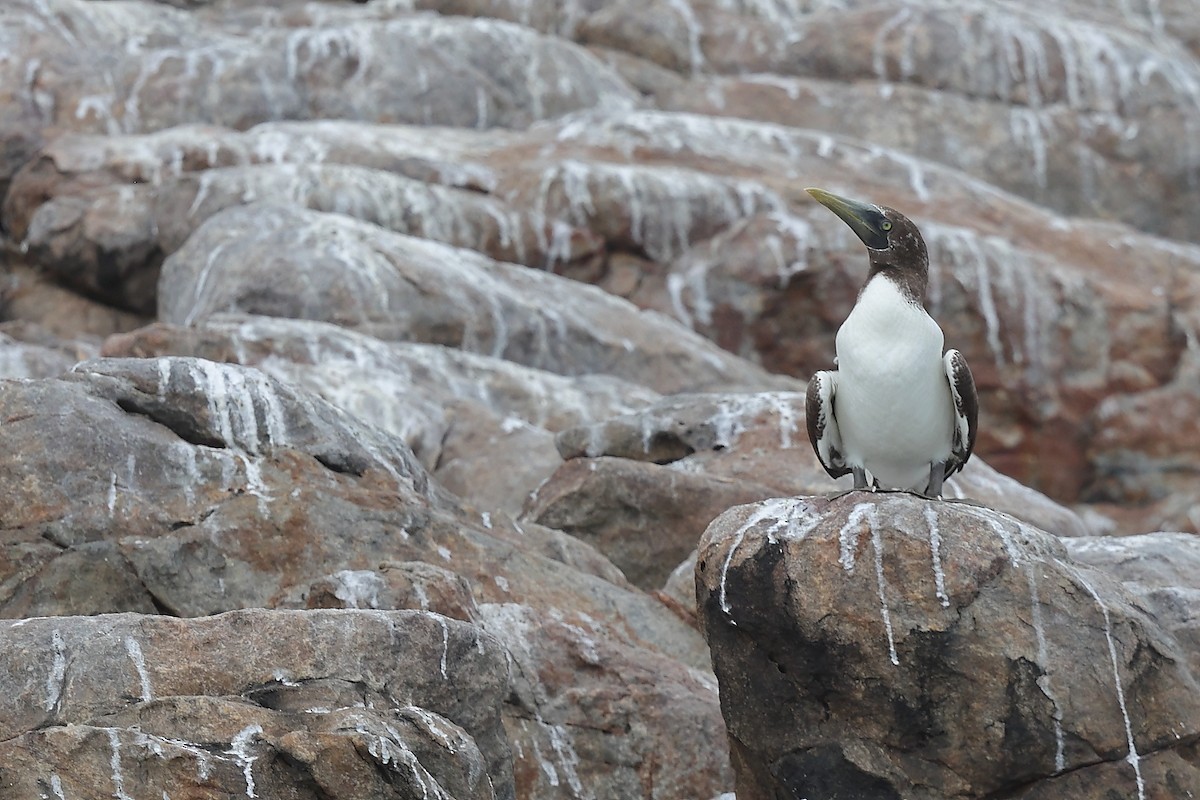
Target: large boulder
x,y
284,261
887,646
237,70
256,703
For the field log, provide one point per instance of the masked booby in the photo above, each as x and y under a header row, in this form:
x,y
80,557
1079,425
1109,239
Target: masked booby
x,y
897,413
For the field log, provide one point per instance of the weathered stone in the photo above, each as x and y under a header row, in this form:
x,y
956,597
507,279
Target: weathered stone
x,y
889,646
237,70
204,487
282,261
395,585
760,440
26,296
27,351
1162,570
587,711
319,704
644,517
127,228
1054,317
463,414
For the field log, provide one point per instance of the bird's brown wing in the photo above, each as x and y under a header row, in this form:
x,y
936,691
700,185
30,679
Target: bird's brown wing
x,y
966,410
823,430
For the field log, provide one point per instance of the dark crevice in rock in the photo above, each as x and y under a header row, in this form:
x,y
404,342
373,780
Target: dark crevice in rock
x,y
52,537
161,606
1016,791
301,777
824,771
340,463
177,421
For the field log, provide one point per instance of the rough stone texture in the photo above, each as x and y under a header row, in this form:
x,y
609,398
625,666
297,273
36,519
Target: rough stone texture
x,y
1162,569
189,487
716,450
582,706
463,414
29,351
282,261
336,62
323,704
642,516
207,471
893,647
1055,316
387,432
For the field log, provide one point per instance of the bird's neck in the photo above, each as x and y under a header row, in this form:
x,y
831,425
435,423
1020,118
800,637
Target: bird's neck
x,y
912,279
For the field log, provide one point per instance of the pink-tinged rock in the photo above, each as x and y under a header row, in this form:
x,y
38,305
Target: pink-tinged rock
x,y
873,643
283,261
257,703
587,713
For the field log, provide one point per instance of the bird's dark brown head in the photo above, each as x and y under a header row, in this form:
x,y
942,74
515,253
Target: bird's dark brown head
x,y
893,241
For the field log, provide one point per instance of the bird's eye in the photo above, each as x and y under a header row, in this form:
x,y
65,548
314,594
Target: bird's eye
x,y
886,226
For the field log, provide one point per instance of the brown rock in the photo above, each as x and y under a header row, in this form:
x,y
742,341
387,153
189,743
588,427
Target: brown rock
x,y
587,713
644,517
237,70
319,704
853,663
463,414
760,440
281,261
201,487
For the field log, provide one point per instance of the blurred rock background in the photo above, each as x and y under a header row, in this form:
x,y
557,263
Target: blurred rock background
x,y
487,309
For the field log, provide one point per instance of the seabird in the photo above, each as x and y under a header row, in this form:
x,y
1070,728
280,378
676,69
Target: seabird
x,y
896,412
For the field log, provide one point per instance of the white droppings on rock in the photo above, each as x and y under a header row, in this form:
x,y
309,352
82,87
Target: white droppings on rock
x,y
118,778
1132,758
239,748
58,671
848,535
877,543
935,545
785,513
139,664
445,647
1044,681
359,588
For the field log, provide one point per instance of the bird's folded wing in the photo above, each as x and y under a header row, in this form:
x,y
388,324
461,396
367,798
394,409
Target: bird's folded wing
x,y
966,409
823,430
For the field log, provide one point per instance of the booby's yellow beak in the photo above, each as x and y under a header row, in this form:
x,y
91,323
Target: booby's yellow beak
x,y
864,219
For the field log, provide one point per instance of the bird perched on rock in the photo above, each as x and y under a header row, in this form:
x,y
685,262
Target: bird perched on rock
x,y
895,409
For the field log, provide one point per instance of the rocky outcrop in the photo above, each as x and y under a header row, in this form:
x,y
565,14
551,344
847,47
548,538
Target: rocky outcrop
x,y
640,485
323,704
188,487
251,68
284,262
295,317
873,644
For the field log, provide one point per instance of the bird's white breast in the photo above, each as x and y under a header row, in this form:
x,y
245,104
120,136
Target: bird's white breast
x,y
893,404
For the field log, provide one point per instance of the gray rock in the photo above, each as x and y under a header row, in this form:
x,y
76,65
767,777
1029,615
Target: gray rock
x,y
238,70
283,261
319,704
889,646
178,483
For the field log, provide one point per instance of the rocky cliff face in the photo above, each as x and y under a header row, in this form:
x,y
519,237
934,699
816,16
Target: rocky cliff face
x,y
370,371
